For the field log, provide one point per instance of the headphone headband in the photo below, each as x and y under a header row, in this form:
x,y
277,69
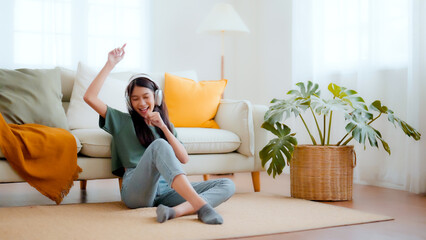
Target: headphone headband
x,y
143,75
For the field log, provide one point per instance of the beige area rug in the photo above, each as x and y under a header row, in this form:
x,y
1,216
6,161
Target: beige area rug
x,y
245,214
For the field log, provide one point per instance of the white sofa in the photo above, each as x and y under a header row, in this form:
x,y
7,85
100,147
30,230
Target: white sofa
x,y
231,149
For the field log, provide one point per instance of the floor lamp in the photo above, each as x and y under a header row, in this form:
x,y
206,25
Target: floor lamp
x,y
223,18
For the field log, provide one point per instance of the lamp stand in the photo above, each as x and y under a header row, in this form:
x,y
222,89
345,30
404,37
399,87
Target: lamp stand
x,y
222,75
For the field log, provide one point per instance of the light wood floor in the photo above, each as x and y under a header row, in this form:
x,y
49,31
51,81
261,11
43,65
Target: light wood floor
x,y
409,210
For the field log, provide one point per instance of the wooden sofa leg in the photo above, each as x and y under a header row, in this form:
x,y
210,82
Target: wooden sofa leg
x,y
206,177
255,177
120,182
83,184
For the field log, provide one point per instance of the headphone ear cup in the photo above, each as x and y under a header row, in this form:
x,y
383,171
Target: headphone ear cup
x,y
158,95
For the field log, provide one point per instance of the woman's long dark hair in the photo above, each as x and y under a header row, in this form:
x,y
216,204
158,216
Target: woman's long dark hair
x,y
143,132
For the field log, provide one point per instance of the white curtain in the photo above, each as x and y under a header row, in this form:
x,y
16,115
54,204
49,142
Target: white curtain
x,y
378,48
48,33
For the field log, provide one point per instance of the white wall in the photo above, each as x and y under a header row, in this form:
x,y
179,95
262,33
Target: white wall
x,y
176,44
257,65
263,60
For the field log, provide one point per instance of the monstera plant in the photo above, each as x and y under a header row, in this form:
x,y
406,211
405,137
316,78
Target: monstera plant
x,y
359,122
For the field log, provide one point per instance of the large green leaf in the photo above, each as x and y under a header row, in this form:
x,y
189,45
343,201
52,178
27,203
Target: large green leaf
x,y
377,106
278,151
299,102
347,95
361,130
305,92
284,108
323,106
408,130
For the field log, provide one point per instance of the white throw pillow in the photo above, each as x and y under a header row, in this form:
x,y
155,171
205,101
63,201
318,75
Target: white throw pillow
x,y
80,114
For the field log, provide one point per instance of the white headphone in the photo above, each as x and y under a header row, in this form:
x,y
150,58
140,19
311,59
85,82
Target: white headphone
x,y
158,94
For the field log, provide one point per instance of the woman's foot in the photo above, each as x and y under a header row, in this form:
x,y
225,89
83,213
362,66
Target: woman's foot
x,y
165,213
208,215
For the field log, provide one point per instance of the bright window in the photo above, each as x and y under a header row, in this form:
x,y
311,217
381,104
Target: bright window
x,y
352,32
50,33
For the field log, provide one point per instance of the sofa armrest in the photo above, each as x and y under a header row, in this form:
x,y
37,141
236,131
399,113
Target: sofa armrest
x,y
262,137
236,116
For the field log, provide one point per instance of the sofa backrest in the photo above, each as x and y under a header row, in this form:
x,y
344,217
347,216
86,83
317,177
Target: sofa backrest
x,y
67,83
68,78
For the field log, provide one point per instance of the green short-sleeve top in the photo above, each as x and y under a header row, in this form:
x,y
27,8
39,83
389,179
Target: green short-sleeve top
x,y
126,150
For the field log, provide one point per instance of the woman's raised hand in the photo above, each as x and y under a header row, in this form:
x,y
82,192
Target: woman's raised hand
x,y
116,55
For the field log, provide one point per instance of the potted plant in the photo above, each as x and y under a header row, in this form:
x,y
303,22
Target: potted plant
x,y
323,170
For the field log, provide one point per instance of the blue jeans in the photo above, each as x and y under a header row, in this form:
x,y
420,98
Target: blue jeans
x,y
148,184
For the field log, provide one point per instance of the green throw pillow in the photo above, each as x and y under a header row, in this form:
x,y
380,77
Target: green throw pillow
x,y
32,96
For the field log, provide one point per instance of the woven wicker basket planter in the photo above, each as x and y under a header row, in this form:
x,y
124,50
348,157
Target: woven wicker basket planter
x,y
322,173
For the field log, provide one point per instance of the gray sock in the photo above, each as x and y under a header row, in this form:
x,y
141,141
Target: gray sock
x,y
208,215
165,213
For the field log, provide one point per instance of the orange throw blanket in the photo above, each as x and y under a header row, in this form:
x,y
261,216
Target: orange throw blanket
x,y
43,156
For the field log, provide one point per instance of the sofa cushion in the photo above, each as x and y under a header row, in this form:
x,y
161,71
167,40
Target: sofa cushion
x,y
32,96
208,140
96,142
191,103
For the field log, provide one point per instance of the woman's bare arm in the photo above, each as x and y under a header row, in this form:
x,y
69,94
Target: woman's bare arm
x,y
92,92
155,119
178,148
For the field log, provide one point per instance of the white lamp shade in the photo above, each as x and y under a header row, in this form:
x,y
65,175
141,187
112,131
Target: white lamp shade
x,y
223,17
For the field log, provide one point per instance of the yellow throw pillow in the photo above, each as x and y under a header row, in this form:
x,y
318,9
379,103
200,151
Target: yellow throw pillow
x,y
191,103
